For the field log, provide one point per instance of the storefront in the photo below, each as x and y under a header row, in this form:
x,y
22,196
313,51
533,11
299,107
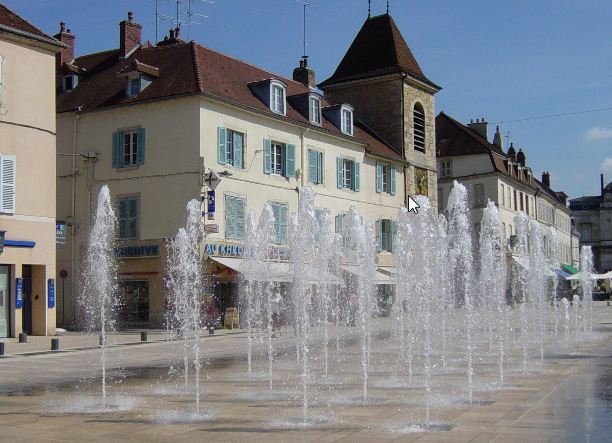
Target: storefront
x,y
5,301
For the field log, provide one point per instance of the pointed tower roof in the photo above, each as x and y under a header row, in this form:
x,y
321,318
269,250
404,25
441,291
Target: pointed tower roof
x,y
378,49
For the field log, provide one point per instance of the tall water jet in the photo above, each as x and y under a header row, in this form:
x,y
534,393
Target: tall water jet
x,y
493,278
461,265
444,301
100,277
519,281
538,272
586,285
184,270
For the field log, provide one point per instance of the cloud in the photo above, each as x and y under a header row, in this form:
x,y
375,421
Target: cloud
x,y
597,134
606,167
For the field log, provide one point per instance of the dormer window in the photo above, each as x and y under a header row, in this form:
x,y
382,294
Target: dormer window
x,y
277,98
137,76
314,112
70,82
347,120
134,87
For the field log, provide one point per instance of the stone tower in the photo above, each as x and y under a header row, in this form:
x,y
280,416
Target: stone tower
x,y
380,77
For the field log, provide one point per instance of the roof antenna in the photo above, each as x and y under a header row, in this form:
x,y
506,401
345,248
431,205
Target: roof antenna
x,y
369,8
508,138
305,4
387,7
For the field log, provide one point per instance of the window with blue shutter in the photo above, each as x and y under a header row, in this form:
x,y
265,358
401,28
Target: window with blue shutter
x,y
340,172
385,178
384,235
221,146
378,226
315,166
230,147
128,218
392,177
234,217
356,177
347,174
267,145
289,161
280,211
279,158
128,148
379,176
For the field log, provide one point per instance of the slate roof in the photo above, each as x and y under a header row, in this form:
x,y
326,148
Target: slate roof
x,y
378,49
12,22
189,69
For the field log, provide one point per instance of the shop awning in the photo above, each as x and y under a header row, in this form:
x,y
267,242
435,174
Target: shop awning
x,y
561,273
569,268
581,275
524,263
274,271
379,277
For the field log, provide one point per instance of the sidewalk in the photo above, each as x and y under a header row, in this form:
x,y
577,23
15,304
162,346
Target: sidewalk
x,y
78,341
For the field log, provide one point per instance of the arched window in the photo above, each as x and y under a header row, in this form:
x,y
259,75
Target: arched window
x,y
418,122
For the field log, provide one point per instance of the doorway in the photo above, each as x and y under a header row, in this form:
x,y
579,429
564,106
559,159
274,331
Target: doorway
x,y
26,311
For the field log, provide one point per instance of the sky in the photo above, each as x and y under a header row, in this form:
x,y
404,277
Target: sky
x,y
507,61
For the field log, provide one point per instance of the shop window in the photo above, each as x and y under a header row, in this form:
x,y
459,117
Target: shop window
x,y
134,301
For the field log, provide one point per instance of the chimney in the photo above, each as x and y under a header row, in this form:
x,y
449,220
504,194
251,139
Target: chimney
x,y
512,152
66,55
601,183
546,178
304,75
497,139
130,34
480,128
520,158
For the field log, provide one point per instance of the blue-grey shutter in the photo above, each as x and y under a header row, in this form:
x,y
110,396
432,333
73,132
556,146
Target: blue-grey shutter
x,y
320,167
290,161
8,177
339,223
238,144
221,145
283,210
123,218
393,235
229,218
132,218
239,217
378,225
117,149
339,172
379,177
392,179
140,148
267,156
356,177
313,166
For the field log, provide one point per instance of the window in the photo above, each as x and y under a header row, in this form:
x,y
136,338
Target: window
x,y
280,211
315,110
230,147
521,198
503,195
234,217
586,232
321,227
135,301
385,231
315,167
421,183
128,148
385,178
515,201
347,174
509,197
70,82
277,98
279,158
7,183
418,117
446,168
479,198
347,120
128,218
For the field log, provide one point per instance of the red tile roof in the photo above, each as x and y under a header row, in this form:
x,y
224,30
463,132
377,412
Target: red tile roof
x,y
378,49
190,68
11,20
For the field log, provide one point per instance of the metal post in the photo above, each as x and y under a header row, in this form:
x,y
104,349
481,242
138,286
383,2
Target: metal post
x,y
144,336
55,344
1,348
23,337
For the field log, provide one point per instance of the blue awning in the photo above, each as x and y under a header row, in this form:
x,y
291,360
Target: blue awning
x,y
561,273
19,243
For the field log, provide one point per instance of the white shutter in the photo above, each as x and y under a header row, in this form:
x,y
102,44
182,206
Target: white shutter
x,y
7,188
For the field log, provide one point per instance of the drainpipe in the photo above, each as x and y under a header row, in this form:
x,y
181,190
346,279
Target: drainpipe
x,y
73,212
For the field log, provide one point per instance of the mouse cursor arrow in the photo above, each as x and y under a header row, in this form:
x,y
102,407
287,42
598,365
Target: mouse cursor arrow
x,y
412,205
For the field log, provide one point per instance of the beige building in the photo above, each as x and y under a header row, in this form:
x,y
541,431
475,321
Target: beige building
x,y
153,122
27,171
490,173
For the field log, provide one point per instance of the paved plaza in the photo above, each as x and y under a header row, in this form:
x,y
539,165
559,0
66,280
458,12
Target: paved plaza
x,y
55,396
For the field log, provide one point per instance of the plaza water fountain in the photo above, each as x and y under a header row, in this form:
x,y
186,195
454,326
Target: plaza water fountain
x,y
464,302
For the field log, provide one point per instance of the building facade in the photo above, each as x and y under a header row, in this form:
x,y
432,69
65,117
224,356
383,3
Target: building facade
x,y
490,173
592,216
153,122
27,171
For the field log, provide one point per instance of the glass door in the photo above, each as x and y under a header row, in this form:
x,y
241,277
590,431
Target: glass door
x,y
4,301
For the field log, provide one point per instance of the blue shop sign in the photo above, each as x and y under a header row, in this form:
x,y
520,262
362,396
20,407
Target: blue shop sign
x,y
137,251
211,204
19,293
51,292
224,249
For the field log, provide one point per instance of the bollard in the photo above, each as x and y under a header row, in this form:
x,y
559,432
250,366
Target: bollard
x,y
1,348
101,340
23,337
144,336
211,330
55,344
